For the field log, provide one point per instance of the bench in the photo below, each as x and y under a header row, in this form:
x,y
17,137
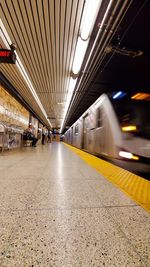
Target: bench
x,y
26,142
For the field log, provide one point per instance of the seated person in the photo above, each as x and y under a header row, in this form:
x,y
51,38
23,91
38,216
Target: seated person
x,y
29,135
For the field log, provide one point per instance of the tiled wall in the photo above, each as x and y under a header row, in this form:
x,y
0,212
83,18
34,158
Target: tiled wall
x,y
12,111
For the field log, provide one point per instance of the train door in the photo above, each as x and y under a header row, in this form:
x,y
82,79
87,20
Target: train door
x,y
85,131
100,136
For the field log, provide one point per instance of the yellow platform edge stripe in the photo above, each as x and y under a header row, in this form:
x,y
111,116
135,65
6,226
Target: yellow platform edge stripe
x,y
136,187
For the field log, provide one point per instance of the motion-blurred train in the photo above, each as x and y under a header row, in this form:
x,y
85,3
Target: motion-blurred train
x,y
115,130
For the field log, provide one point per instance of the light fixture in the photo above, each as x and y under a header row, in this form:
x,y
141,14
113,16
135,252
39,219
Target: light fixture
x,y
129,128
79,55
141,96
6,39
89,16
88,19
128,155
72,84
119,95
71,87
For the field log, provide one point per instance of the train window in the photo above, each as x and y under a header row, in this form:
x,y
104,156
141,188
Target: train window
x,y
98,118
86,122
76,131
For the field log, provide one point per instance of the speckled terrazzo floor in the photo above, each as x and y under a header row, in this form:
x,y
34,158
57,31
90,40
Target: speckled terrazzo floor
x,y
57,211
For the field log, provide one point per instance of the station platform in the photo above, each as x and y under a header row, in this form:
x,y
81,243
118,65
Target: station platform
x,y
59,209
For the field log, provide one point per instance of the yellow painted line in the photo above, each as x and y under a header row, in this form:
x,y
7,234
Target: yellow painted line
x,y
133,185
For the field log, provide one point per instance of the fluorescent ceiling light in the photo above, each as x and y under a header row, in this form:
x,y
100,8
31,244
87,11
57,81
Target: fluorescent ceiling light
x,y
119,94
79,55
89,16
7,41
71,87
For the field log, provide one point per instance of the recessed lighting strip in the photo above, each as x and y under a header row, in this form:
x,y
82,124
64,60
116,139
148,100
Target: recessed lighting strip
x,y
7,41
82,42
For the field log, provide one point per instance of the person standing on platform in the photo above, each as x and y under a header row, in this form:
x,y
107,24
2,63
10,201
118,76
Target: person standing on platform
x,y
49,136
43,135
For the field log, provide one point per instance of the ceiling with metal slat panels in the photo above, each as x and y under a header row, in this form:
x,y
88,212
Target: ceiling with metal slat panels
x,y
115,52
45,33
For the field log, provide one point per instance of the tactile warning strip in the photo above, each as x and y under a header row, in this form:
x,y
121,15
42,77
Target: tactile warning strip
x,y
133,185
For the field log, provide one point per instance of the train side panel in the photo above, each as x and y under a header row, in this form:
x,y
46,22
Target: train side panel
x,y
102,133
78,133
98,131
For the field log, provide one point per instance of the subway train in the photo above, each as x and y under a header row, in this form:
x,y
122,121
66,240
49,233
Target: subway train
x,y
115,129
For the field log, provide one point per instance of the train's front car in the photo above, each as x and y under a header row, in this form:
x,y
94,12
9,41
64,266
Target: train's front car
x,y
134,120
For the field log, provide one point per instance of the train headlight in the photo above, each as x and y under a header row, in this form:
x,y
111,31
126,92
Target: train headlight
x,y
128,155
129,128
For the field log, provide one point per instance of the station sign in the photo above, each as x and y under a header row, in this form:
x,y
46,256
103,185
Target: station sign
x,y
7,56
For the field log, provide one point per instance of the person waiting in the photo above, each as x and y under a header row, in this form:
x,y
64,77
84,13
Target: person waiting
x,y
29,135
43,135
49,136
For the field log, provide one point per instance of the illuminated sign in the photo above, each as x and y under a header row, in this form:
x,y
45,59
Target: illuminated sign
x,y
7,56
141,96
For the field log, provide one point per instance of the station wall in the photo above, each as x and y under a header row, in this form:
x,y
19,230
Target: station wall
x,y
11,111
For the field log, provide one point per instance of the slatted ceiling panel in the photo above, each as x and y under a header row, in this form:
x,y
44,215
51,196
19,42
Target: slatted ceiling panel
x,y
30,40
44,45
62,29
71,34
52,36
38,41
69,37
48,47
33,40
18,83
50,33
35,69
66,35
2,45
21,44
63,41
38,46
57,44
11,72
45,32
46,103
